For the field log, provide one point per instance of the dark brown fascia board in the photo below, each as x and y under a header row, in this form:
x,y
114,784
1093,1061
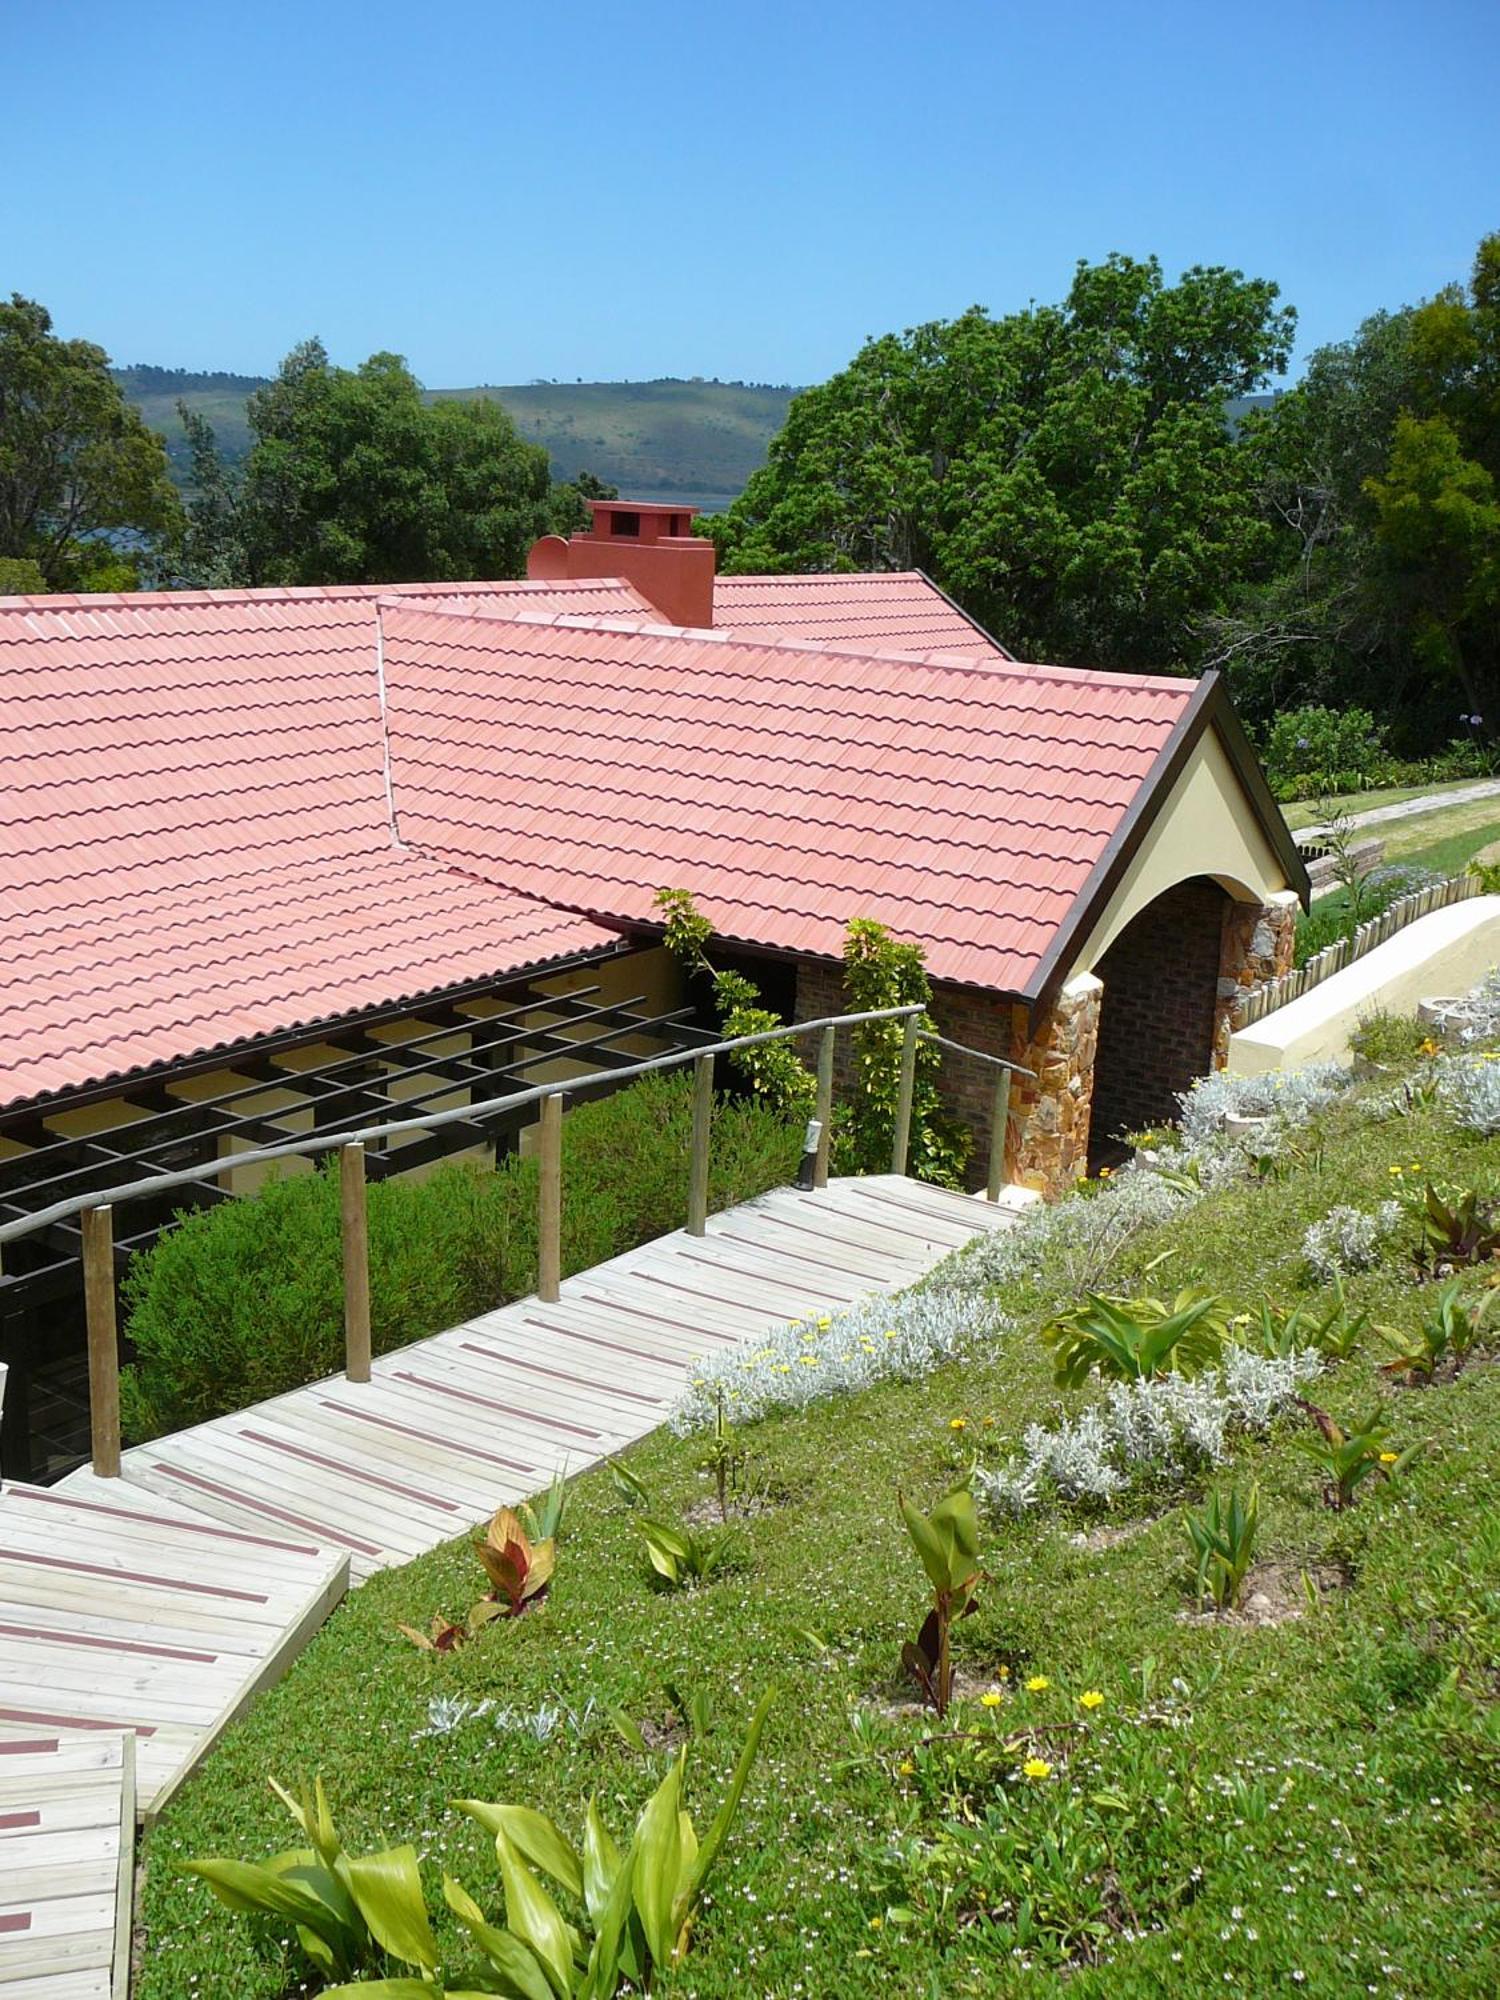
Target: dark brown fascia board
x,y
226,1054
967,616
1209,707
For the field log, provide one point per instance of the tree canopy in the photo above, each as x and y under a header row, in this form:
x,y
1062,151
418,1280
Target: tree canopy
x,y
1378,475
84,485
1067,472
353,478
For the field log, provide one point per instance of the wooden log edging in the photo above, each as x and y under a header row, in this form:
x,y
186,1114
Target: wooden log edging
x,y
1265,999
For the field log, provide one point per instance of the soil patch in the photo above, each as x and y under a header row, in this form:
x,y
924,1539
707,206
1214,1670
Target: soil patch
x,y
1277,1592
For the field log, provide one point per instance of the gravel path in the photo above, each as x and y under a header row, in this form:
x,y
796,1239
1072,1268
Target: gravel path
x,y
1487,788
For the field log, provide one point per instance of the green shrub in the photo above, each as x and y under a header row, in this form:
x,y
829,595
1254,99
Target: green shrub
x,y
1340,749
245,1301
1383,1037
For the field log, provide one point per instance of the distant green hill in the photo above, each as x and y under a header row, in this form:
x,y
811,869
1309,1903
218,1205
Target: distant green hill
x,y
697,441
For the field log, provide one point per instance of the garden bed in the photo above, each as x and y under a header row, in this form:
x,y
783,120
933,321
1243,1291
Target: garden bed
x,y
1303,1806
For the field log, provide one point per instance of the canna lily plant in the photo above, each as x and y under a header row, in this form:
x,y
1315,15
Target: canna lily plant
x,y
947,1541
1134,1340
1348,1458
519,1567
635,1908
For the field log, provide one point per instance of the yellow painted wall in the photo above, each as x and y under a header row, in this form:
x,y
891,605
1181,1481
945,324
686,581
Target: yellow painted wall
x,y
1205,826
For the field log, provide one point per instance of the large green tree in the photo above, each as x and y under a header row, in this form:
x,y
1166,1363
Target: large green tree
x,y
1066,472
84,485
1378,476
353,478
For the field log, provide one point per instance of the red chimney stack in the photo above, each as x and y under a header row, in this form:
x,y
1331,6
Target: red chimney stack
x,y
651,546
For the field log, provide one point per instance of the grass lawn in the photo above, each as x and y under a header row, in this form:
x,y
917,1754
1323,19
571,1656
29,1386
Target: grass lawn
x,y
1301,1807
1305,812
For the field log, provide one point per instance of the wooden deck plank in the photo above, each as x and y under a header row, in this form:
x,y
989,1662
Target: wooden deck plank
x,y
67,1833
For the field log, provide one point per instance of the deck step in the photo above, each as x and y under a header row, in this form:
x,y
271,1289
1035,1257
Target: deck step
x,y
67,1833
120,1610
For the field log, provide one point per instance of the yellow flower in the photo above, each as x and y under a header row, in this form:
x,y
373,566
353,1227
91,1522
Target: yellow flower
x,y
989,1423
1393,1170
783,1368
1003,1673
1037,1684
876,1922
1389,1457
990,1699
1037,1767
1091,1699
906,1767
958,1423
808,1360
891,1333
824,1323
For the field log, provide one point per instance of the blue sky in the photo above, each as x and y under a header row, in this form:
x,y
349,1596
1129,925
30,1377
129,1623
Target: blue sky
x,y
633,189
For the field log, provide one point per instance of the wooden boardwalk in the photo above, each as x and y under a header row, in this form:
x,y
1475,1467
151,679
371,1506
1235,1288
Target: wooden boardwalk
x,y
67,1827
139,1614
119,1611
449,1428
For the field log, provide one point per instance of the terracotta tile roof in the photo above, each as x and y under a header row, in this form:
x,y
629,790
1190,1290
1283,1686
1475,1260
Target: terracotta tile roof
x,y
194,840
791,787
892,611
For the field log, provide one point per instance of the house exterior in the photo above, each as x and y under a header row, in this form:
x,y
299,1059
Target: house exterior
x,y
283,860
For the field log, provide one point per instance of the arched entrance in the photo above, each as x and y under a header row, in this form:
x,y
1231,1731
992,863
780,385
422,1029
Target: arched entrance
x,y
1156,1014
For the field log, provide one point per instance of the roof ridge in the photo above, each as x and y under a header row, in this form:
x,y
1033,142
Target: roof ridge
x,y
1002,668
143,600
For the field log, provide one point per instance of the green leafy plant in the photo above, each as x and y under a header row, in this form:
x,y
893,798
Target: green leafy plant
x,y
1348,1458
635,1908
631,1489
544,1518
1130,1340
1449,1332
350,1913
1455,1232
1278,1332
1222,1535
639,1904
725,1459
881,971
1383,1037
947,1541
682,1557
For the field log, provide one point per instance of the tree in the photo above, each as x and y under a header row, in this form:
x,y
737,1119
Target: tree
x,y
353,478
1378,477
1066,472
84,485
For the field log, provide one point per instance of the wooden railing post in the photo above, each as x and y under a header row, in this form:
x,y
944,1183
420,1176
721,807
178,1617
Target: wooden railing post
x,y
549,1202
104,1345
824,1110
355,1230
999,1122
703,1112
902,1140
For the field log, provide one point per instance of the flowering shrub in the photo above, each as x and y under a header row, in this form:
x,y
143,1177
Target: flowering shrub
x,y
1348,1239
1159,1429
877,1340
1291,1096
1469,1086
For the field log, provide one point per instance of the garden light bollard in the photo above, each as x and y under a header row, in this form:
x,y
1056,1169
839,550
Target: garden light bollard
x,y
824,1111
355,1232
703,1113
104,1344
549,1202
902,1139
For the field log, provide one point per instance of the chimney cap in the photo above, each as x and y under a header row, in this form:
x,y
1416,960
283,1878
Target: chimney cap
x,y
642,507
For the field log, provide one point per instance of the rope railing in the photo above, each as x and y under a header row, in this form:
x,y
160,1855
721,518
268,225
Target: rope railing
x,y
1274,993
95,1208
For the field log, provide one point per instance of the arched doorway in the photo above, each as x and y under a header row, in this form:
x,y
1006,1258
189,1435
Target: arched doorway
x,y
1156,1014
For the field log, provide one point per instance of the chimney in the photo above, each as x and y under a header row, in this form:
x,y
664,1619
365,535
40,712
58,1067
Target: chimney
x,y
651,546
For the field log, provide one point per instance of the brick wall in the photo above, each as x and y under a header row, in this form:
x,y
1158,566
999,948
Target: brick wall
x,y
1161,995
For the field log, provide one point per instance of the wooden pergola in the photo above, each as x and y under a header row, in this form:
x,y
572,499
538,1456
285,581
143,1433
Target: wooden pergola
x,y
530,1031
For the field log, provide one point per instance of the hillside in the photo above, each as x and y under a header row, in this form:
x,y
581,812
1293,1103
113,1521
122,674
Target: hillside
x,y
696,441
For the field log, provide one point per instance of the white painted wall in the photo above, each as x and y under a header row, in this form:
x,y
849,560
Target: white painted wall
x,y
1443,954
